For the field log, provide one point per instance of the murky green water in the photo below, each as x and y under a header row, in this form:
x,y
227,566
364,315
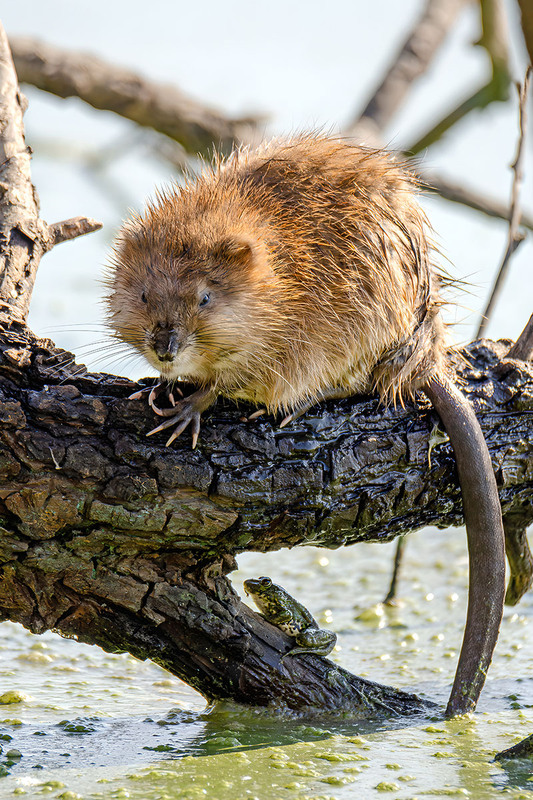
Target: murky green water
x,y
92,725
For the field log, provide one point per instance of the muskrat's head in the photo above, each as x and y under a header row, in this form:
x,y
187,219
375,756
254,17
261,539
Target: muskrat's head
x,y
183,295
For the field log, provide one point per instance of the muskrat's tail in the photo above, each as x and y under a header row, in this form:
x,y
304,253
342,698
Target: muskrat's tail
x,y
485,535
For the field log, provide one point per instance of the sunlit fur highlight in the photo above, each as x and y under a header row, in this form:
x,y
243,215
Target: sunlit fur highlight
x,y
315,252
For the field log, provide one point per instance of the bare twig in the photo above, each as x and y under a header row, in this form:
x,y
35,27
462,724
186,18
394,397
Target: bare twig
x,y
523,347
514,238
106,86
520,560
449,190
72,228
480,99
390,597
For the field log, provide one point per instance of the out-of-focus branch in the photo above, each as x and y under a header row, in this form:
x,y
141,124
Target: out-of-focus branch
x,y
526,10
523,347
515,236
449,190
106,86
414,58
495,40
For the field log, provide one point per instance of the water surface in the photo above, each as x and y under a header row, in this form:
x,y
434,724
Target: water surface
x,y
95,725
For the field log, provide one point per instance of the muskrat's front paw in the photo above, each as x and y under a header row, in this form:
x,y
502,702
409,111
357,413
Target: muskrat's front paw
x,y
154,392
165,389
183,414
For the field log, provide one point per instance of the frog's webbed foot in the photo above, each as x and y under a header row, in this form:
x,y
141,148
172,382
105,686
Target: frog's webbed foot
x,y
317,651
185,412
313,640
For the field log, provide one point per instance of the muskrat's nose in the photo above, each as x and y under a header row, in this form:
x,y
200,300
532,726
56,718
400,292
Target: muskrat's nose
x,y
166,343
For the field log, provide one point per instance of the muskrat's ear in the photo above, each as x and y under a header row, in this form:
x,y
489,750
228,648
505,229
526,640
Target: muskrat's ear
x,y
245,253
237,251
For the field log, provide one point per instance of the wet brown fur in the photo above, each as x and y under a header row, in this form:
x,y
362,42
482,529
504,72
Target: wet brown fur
x,y
315,252
315,255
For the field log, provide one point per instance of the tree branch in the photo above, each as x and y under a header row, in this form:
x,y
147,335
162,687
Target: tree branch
x,y
24,237
515,237
108,536
448,190
162,107
19,228
495,40
526,12
72,228
413,59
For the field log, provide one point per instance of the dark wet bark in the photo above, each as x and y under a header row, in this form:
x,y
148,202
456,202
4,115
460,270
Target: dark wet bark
x,y
523,749
520,559
108,536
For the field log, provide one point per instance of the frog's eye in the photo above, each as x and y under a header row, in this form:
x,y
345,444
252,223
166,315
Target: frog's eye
x,y
265,582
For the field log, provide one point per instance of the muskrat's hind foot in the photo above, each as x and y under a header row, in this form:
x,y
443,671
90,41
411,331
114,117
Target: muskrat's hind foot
x,y
186,412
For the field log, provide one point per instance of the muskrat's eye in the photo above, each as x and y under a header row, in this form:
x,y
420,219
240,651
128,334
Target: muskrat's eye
x,y
143,298
205,300
266,582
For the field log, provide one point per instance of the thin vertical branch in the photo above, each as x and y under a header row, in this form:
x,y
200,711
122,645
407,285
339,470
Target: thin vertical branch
x,y
514,237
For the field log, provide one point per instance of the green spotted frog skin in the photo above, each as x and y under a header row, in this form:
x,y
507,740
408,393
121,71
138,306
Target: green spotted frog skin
x,y
282,610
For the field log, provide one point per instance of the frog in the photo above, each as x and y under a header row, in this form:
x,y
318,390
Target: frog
x,y
279,608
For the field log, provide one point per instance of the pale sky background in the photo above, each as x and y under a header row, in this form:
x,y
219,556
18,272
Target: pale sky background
x,y
306,65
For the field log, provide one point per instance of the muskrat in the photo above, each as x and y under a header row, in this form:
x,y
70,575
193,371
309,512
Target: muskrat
x,y
301,271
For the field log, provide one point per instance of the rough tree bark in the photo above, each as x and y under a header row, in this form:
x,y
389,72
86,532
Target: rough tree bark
x,y
113,539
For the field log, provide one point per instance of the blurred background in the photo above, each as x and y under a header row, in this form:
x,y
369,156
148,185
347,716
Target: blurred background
x,y
296,66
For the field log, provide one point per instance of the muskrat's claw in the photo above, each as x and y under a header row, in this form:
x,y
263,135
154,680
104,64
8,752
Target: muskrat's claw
x,y
334,392
160,388
140,393
155,391
186,415
255,415
187,412
298,412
